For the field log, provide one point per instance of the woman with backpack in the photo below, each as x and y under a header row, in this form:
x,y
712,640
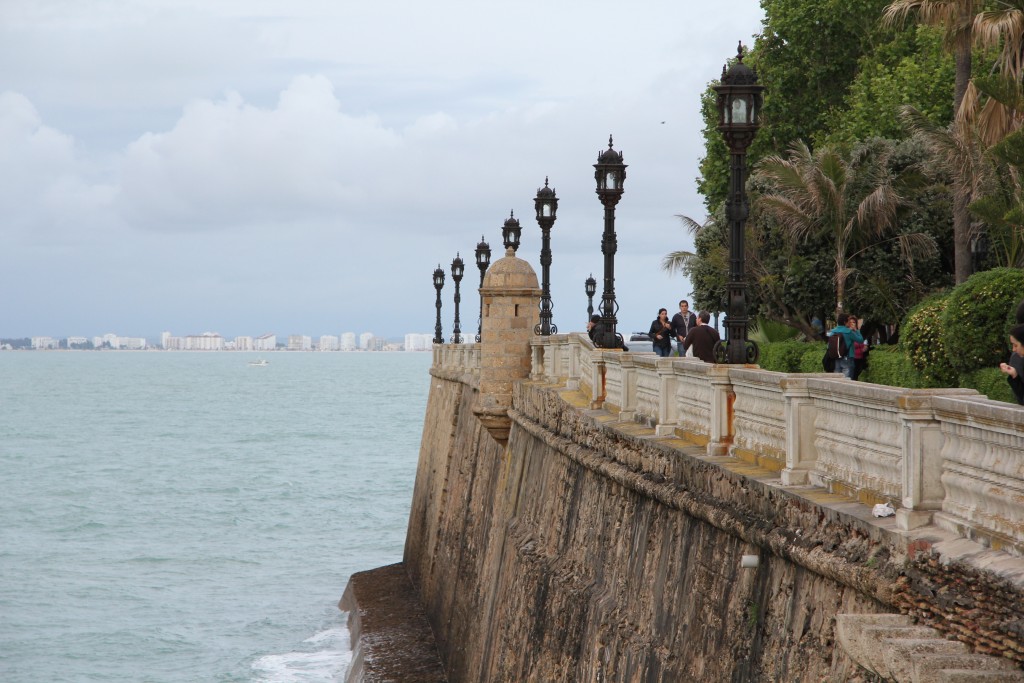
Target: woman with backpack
x,y
840,344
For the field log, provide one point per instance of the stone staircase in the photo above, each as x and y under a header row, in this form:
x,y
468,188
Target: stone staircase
x,y
894,648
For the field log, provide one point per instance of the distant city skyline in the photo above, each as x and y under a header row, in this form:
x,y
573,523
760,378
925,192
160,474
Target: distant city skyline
x,y
208,341
251,166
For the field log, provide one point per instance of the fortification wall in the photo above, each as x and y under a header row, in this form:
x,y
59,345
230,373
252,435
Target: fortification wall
x,y
582,554
603,540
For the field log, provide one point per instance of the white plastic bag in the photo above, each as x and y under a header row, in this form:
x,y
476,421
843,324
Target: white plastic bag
x,y
883,510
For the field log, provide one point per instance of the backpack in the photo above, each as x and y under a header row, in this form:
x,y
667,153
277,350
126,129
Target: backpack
x,y
837,346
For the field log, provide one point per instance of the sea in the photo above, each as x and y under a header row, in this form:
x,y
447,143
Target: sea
x,y
176,517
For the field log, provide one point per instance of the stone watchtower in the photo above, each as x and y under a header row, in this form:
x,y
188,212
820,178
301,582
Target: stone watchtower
x,y
510,297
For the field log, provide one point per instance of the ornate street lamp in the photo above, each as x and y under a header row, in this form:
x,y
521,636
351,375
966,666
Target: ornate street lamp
x,y
590,287
739,117
510,232
438,284
483,260
547,206
458,268
610,174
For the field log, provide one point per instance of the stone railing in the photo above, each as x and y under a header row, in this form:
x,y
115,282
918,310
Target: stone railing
x,y
945,455
458,362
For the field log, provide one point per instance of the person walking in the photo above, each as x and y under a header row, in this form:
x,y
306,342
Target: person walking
x,y
661,334
846,363
1014,370
682,323
702,337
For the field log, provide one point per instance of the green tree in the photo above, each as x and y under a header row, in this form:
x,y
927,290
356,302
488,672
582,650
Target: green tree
x,y
851,202
912,68
956,18
806,56
707,266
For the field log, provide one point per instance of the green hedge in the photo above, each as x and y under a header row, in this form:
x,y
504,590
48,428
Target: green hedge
x,y
989,381
977,317
783,356
922,339
888,365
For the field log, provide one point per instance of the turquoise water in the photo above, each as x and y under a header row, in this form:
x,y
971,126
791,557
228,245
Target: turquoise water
x,y
176,517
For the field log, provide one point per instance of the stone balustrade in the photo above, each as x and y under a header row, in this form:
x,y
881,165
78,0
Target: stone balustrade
x,y
458,361
948,456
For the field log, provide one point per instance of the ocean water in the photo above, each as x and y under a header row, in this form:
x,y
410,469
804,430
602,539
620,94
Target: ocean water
x,y
183,517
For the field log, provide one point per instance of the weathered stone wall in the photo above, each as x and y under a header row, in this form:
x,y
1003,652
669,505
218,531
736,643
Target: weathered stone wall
x,y
580,553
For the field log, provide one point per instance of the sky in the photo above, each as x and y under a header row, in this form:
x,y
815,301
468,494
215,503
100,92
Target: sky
x,y
301,167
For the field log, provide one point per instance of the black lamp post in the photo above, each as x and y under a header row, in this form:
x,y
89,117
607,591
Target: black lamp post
x,y
438,284
590,287
739,112
510,232
458,268
547,206
483,259
610,174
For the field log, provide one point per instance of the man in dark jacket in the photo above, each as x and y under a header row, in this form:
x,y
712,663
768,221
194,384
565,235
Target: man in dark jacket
x,y
682,323
702,338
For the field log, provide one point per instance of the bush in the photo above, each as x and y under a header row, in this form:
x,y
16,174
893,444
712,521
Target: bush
x,y
989,381
783,356
810,360
889,365
977,318
922,340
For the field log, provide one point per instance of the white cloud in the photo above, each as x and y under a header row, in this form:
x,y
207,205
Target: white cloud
x,y
172,162
229,163
44,186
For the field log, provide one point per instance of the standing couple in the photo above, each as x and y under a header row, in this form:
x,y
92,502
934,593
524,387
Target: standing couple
x,y
689,331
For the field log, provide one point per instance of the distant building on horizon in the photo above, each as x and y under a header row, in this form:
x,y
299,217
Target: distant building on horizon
x,y
365,341
415,341
207,341
265,342
300,342
348,341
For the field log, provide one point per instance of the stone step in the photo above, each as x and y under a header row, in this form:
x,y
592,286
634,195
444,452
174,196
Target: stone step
x,y
974,676
852,632
927,667
900,653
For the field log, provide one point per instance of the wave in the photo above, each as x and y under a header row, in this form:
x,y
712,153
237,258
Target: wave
x,y
325,664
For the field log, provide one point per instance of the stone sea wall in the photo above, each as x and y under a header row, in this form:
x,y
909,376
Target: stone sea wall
x,y
579,553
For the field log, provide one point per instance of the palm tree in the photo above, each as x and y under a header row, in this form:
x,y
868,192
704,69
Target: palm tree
x,y
850,201
706,267
957,17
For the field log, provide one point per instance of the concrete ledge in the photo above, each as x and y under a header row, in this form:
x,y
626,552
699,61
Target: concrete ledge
x,y
391,638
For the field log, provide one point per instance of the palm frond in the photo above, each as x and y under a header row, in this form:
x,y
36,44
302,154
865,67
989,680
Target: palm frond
x,y
677,261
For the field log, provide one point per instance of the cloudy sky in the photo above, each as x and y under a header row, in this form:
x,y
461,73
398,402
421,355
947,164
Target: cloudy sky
x,y
302,166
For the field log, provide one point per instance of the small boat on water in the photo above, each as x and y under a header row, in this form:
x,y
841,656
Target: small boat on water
x,y
259,363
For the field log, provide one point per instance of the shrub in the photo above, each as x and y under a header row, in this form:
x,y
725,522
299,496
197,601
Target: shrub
x,y
922,341
810,360
989,381
783,356
977,317
889,365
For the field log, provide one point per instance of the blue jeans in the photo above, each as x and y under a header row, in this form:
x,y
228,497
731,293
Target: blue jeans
x,y
663,351
845,366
